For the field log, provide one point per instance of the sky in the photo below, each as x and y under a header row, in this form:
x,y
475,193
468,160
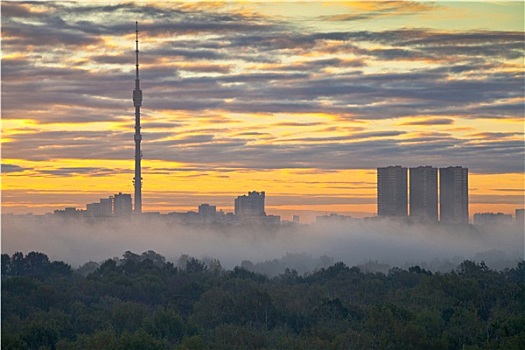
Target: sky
x,y
302,100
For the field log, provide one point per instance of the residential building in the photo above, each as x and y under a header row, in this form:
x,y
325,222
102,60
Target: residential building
x,y
453,196
122,205
424,194
250,207
392,199
207,213
103,208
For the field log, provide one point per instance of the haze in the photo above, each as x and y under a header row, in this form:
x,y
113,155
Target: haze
x,y
354,243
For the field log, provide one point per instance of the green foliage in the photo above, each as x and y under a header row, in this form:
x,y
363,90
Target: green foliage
x,y
165,323
194,342
143,302
242,273
39,335
33,264
139,341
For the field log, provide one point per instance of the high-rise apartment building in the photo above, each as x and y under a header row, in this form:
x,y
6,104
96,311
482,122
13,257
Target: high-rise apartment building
x,y
250,206
424,194
453,196
122,205
102,209
392,199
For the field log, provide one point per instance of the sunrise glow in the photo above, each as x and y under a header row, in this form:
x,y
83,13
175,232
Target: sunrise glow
x,y
300,100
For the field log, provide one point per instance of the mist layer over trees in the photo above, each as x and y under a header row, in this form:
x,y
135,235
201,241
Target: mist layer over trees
x,y
140,301
375,246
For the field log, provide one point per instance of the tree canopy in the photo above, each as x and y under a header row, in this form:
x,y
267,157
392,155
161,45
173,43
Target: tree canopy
x,y
142,301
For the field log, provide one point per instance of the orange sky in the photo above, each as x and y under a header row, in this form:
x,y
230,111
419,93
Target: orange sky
x,y
303,101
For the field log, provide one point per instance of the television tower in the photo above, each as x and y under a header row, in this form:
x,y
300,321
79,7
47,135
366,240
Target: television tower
x,y
137,102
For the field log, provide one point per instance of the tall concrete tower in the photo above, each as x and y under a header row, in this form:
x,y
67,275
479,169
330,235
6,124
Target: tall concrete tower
x,y
137,102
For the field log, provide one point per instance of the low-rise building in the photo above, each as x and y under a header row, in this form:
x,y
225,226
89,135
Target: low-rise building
x,y
492,219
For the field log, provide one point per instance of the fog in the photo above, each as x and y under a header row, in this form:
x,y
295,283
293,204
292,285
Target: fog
x,y
268,249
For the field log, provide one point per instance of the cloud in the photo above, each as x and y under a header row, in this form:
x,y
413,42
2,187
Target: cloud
x,y
430,121
75,171
161,125
208,66
359,150
355,136
508,189
299,124
13,9
491,199
66,145
13,168
494,135
376,10
42,34
190,54
110,59
187,140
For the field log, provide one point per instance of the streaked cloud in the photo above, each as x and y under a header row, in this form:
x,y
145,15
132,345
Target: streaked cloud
x,y
429,121
12,168
374,10
228,86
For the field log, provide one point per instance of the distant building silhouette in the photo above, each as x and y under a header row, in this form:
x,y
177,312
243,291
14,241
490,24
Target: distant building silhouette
x,y
207,213
392,199
492,219
207,210
250,209
520,217
251,205
332,218
453,196
122,205
70,212
271,219
424,194
102,209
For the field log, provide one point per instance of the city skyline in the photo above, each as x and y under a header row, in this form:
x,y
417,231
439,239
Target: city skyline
x,y
399,193
397,196
305,106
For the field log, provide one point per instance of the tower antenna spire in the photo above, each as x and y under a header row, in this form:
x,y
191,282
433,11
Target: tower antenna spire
x,y
137,102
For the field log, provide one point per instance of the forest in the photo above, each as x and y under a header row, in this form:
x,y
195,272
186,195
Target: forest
x,y
142,301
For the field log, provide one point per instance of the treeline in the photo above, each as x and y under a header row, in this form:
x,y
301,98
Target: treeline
x,y
144,302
